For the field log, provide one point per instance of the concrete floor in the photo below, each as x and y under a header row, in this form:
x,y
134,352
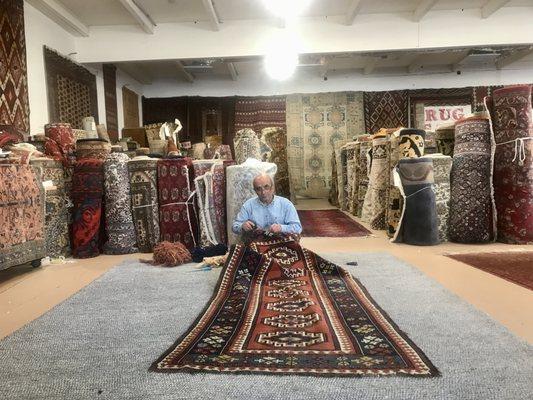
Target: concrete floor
x,y
27,293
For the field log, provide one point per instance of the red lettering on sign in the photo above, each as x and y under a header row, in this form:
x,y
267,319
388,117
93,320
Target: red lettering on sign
x,y
430,115
444,114
457,114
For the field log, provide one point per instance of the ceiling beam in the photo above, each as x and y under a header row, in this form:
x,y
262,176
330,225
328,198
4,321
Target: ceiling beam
x,y
137,72
58,13
457,64
183,72
140,16
415,65
213,17
353,10
232,71
422,9
491,7
370,65
502,62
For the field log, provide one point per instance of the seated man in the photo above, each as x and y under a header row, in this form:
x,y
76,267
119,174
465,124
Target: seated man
x,y
267,212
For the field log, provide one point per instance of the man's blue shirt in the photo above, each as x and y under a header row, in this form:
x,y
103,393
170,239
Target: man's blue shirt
x,y
280,211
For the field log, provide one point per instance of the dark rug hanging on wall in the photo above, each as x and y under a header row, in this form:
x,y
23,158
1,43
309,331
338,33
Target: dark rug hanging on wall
x,y
14,105
257,113
71,90
110,92
386,110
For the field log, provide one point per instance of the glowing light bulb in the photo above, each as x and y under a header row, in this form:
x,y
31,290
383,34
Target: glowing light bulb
x,y
287,8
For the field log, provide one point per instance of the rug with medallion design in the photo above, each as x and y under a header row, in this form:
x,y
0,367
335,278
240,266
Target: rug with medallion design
x,y
279,308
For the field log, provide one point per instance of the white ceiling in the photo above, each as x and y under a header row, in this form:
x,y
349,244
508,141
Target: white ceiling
x,y
111,12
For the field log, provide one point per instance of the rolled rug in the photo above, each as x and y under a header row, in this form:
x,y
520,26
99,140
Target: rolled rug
x,y
89,126
405,143
22,229
364,161
218,172
56,223
512,125
445,139
144,202
56,215
375,204
418,223
92,149
121,238
430,143
247,145
61,144
239,186
471,205
178,221
198,150
442,166
87,196
276,139
350,174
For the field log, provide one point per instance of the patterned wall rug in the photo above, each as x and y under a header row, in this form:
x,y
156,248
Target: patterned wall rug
x,y
316,125
330,223
258,113
14,106
280,308
386,110
71,90
514,266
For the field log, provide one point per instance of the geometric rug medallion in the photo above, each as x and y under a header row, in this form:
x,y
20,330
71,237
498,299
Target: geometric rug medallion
x,y
279,308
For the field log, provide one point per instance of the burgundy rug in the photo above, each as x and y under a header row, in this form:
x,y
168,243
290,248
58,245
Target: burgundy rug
x,y
329,223
514,266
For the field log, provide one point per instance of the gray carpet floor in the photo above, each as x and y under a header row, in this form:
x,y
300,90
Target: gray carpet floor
x,y
100,343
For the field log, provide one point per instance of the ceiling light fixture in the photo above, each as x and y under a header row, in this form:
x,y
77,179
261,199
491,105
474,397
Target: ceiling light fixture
x,y
281,56
287,9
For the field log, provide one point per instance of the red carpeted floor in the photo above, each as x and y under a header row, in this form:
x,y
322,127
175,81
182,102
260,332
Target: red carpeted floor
x,y
514,266
330,223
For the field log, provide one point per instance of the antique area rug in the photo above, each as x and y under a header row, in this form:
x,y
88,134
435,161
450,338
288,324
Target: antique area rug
x,y
280,308
101,342
514,266
330,223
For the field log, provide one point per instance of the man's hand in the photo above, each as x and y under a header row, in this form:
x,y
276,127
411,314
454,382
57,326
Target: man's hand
x,y
275,228
248,226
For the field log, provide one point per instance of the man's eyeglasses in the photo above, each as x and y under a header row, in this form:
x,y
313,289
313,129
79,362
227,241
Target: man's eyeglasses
x,y
265,188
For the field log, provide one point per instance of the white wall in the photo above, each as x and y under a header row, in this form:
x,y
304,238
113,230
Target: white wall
x,y
370,32
311,82
122,79
41,31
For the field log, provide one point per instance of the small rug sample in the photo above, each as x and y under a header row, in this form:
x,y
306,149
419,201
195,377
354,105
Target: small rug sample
x,y
514,266
279,308
329,223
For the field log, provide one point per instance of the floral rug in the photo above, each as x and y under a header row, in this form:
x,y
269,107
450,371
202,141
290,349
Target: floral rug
x,y
330,223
